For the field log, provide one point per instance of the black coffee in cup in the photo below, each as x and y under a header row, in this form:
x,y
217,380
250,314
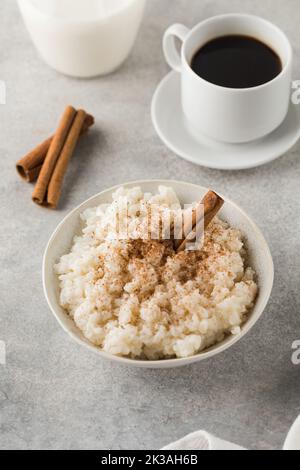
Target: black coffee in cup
x,y
236,61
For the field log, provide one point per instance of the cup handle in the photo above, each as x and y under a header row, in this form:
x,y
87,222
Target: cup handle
x,y
169,47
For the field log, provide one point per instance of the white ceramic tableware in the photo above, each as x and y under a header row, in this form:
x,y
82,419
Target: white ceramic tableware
x,y
259,258
229,114
171,126
292,441
83,38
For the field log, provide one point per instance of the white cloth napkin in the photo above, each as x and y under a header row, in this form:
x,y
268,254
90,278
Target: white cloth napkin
x,y
201,440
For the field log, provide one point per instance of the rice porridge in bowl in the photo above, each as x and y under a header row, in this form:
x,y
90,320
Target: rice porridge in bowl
x,y
135,296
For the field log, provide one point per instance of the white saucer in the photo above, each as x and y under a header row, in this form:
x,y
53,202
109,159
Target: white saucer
x,y
170,124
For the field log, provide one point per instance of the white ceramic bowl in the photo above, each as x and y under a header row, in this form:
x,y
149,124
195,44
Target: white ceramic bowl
x,y
259,258
85,47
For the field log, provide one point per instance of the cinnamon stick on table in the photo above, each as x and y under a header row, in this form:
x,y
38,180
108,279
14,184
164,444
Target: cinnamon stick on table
x,y
56,181
56,146
212,203
29,167
48,187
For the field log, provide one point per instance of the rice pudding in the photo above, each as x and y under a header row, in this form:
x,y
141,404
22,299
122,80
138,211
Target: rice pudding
x,y
137,297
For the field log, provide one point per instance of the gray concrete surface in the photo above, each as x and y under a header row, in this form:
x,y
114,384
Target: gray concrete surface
x,y
53,393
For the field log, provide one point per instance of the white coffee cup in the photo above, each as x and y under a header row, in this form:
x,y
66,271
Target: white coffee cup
x,y
95,43
230,114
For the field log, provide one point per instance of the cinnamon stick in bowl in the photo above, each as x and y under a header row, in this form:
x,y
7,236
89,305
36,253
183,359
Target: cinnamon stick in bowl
x,y
212,203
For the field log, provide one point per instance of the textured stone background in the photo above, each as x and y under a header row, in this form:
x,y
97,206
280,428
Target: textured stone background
x,y
53,393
